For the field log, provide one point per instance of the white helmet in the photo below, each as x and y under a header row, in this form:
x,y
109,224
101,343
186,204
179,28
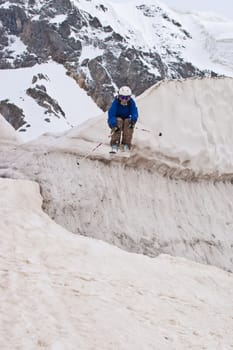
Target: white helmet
x,y
125,91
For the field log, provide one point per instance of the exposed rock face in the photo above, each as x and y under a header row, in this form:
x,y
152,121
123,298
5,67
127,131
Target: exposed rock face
x,y
13,19
13,114
39,94
60,31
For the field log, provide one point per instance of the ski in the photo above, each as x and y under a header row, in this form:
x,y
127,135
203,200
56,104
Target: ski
x,y
120,154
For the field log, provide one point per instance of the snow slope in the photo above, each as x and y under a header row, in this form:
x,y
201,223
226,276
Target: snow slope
x,y
73,100
186,124
8,133
61,291
212,44
203,38
141,203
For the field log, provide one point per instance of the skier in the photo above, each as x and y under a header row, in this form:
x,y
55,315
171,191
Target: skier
x,y
122,117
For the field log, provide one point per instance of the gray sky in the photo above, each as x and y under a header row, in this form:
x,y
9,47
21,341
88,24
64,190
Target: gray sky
x,y
223,7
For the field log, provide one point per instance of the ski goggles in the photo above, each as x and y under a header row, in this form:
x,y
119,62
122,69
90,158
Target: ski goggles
x,y
124,98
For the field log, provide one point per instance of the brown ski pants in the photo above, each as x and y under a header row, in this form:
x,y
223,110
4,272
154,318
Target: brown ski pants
x,y
124,134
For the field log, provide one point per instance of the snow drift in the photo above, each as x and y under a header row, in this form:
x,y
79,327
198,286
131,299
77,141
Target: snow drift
x,y
185,130
61,291
195,119
127,202
8,133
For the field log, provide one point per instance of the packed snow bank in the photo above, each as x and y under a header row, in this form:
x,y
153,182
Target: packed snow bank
x,y
7,132
195,118
134,209
185,130
61,291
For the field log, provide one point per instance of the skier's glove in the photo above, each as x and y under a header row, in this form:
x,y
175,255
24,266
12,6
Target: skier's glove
x,y
115,129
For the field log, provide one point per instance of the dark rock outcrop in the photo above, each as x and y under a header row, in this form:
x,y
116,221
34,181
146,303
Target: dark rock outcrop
x,y
13,114
39,94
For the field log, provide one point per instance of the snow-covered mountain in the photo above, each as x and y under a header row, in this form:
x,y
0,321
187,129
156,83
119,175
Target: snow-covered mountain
x,y
128,252
99,47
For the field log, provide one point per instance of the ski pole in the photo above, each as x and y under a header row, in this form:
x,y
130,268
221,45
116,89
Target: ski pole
x,y
88,154
142,129
93,150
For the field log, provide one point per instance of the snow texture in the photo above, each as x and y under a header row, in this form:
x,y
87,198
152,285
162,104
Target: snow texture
x,y
59,291
141,203
8,133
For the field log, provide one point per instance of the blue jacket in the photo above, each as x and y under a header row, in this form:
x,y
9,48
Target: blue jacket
x,y
118,110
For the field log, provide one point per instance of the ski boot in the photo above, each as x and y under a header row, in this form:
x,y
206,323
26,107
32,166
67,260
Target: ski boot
x,y
114,149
